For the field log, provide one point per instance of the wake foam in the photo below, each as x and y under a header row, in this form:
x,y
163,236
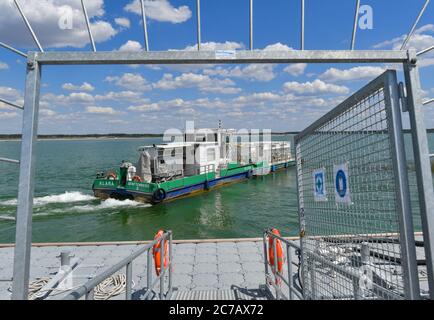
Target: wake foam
x,y
67,197
105,205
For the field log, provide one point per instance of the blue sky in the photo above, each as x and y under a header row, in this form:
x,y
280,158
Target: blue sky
x,y
138,99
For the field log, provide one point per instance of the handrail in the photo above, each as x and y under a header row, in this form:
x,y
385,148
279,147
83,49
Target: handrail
x,y
292,291
9,160
347,272
88,288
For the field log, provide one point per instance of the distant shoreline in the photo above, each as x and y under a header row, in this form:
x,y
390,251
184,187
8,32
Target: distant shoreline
x,y
118,136
15,137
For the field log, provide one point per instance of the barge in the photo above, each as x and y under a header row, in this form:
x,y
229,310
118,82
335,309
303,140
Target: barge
x,y
198,162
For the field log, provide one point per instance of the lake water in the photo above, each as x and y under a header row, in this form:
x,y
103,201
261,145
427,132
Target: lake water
x,y
65,209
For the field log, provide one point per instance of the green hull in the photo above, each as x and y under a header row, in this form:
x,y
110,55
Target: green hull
x,y
158,192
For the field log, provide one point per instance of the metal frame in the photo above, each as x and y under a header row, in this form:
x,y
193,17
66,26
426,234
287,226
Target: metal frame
x,y
388,80
413,28
422,162
214,57
35,61
356,15
145,26
86,18
87,289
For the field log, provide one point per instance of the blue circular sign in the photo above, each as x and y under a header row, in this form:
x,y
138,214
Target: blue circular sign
x,y
319,186
341,183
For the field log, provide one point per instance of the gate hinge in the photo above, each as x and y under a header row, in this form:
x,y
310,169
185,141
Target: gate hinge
x,y
402,97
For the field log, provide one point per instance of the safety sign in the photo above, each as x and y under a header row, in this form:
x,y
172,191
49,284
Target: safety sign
x,y
342,184
319,185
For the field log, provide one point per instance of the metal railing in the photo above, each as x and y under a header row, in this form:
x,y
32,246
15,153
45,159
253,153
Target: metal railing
x,y
289,247
88,288
364,287
352,179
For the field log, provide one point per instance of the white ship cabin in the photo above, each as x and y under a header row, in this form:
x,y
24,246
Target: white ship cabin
x,y
204,151
280,152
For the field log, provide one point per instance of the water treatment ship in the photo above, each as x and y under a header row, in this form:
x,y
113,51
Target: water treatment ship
x,y
198,162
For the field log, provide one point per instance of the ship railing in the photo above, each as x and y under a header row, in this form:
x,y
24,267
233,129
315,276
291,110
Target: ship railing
x,y
281,158
88,288
274,278
208,168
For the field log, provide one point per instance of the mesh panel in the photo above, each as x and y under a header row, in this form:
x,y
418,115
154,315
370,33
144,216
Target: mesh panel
x,y
351,245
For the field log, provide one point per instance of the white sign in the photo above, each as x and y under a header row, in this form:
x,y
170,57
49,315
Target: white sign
x,y
225,54
319,185
342,183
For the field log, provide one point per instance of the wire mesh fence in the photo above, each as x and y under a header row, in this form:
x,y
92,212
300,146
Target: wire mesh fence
x,y
350,216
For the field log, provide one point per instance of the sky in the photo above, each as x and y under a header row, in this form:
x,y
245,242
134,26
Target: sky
x,y
152,99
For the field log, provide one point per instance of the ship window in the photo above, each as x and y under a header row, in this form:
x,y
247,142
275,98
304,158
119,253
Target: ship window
x,y
210,156
173,153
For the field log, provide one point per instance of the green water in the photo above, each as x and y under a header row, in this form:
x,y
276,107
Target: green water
x,y
65,209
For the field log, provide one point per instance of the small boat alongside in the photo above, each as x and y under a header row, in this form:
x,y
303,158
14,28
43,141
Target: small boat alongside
x,y
202,161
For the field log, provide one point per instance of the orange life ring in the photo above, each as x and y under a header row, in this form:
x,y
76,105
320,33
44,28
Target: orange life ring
x,y
279,251
156,251
112,176
137,179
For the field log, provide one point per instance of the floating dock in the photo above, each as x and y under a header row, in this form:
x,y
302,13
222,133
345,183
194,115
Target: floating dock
x,y
215,269
202,269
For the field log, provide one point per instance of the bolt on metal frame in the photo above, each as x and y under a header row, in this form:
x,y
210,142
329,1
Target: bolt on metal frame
x,y
36,60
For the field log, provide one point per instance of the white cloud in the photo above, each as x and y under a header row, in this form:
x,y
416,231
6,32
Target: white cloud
x,y
258,97
66,100
203,82
8,115
102,110
356,73
84,87
145,107
252,72
47,113
130,81
123,22
296,69
44,17
9,93
120,95
131,46
212,46
277,47
80,97
3,66
317,86
422,39
161,10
